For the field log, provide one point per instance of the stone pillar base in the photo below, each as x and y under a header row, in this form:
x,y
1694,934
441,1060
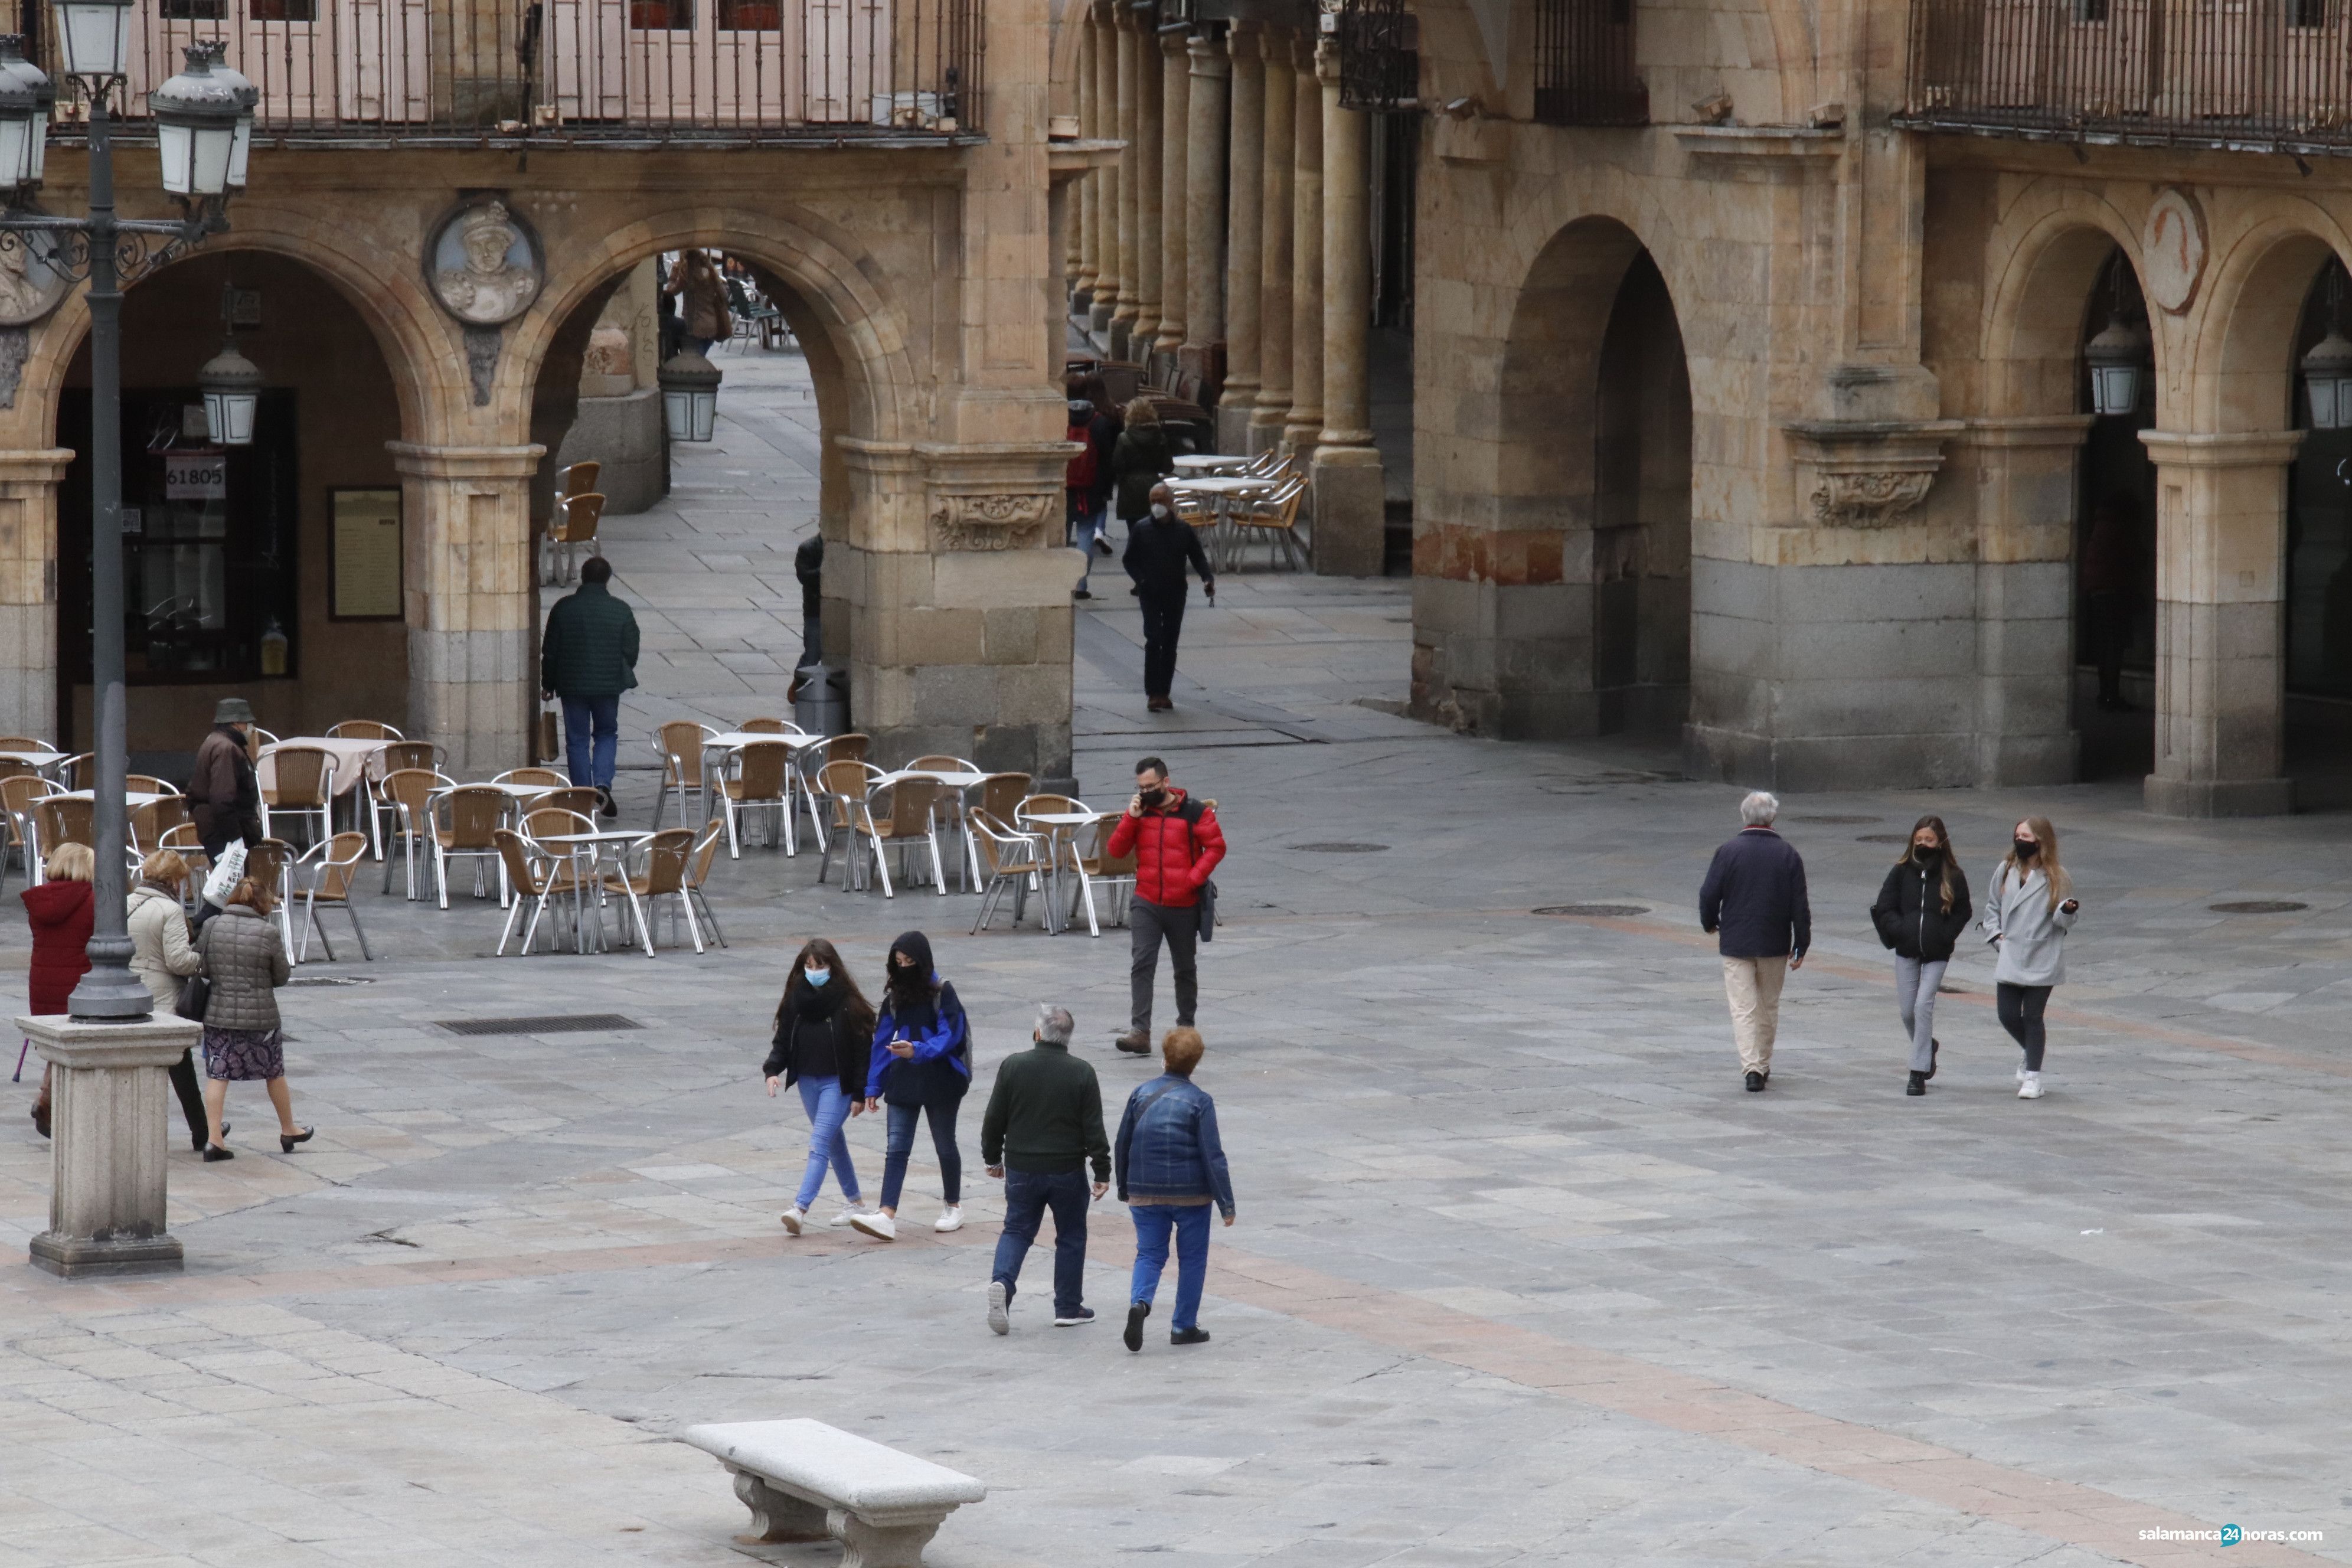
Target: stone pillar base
x,y
1350,513
2218,798
1234,426
1098,315
1122,340
109,1116
1262,437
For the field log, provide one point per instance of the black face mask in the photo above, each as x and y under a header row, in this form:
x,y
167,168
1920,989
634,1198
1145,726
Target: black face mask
x,y
1153,796
2026,848
1926,855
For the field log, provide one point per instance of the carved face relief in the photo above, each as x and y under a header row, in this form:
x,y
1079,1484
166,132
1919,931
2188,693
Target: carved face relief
x,y
483,266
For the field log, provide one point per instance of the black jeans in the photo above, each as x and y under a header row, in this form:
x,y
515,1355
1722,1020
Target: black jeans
x,y
2020,1007
1027,1195
192,1098
1146,924
1163,623
899,1143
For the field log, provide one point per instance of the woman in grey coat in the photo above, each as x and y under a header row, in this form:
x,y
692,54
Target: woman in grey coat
x,y
246,963
2028,912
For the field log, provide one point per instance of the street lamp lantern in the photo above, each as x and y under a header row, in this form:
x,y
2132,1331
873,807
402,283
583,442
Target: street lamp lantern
x,y
231,384
248,97
94,37
2115,357
689,389
197,114
2327,377
15,65
19,114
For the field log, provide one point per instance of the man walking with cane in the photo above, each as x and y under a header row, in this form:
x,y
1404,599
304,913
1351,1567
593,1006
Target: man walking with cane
x,y
1754,896
1177,844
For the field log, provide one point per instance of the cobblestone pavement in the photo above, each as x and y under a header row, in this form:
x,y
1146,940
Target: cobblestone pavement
x,y
1521,1275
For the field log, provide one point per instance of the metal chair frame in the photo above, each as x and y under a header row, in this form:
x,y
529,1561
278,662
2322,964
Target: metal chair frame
x,y
1014,859
455,842
334,865
302,807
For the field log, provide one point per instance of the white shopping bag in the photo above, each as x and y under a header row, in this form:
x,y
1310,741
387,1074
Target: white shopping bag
x,y
226,872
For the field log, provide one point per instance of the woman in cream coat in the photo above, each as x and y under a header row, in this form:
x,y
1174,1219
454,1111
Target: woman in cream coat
x,y
2029,909
162,956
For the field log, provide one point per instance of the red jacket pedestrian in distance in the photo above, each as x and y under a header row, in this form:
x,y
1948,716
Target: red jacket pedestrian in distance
x,y
1177,844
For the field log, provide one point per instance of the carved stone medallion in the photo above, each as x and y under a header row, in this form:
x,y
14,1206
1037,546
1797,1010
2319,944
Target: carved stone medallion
x,y
2172,245
483,265
31,284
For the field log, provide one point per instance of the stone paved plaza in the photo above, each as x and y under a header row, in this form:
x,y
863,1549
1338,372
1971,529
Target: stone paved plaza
x,y
1521,1275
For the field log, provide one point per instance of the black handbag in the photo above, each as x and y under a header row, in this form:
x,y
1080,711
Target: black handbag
x,y
196,996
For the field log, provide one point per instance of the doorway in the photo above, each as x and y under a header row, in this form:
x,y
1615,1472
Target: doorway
x,y
1641,513
2114,550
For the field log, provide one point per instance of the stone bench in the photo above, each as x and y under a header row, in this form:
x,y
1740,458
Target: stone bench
x,y
804,1480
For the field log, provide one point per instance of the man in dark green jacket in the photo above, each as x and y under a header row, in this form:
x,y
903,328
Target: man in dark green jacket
x,y
589,658
1044,1121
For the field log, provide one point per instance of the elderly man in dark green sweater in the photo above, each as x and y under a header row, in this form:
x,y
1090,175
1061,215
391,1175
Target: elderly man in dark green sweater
x,y
589,658
1044,1121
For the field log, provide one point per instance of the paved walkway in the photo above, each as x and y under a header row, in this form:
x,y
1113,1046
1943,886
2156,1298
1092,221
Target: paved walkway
x,y
1522,1276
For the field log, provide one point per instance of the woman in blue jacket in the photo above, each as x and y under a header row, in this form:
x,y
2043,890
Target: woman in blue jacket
x,y
920,1068
1172,1167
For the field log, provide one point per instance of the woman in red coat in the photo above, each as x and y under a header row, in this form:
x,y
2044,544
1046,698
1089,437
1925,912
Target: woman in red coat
x,y
62,913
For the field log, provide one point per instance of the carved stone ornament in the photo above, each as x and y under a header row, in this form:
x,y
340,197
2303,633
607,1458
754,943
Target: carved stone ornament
x,y
32,283
2172,245
1856,474
992,521
483,265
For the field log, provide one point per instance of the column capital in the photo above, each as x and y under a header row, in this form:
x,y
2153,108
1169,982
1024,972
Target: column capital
x,y
464,462
1173,45
1244,40
1208,59
2221,449
1302,52
39,464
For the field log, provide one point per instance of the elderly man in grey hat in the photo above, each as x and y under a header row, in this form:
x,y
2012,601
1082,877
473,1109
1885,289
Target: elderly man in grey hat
x,y
224,796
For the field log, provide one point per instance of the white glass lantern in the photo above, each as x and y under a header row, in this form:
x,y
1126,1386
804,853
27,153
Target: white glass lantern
x,y
94,37
231,384
18,111
195,127
248,98
2115,357
16,67
2327,375
689,389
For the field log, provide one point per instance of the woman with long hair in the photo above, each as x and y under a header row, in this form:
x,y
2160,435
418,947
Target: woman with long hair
x,y
920,1068
1922,910
163,956
824,1027
2028,912
246,963
62,915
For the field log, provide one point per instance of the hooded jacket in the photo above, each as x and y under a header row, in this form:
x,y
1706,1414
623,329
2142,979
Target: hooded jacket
x,y
1173,857
160,953
591,646
1910,914
61,914
940,1070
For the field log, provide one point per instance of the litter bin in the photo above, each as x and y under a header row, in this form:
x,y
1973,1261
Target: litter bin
x,y
822,706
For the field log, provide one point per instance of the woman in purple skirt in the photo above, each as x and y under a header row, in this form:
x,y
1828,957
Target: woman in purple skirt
x,y
246,963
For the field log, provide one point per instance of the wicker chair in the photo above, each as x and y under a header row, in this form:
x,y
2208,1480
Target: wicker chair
x,y
660,874
473,813
333,864
756,779
537,878
698,871
680,743
304,788
1009,860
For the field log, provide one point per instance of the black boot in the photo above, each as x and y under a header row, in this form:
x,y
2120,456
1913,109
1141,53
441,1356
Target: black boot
x,y
1918,1084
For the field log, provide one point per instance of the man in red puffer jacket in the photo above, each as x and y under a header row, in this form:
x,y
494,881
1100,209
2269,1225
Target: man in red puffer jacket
x,y
1177,844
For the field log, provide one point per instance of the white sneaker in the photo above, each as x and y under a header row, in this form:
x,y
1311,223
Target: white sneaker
x,y
999,1301
876,1224
951,1218
848,1216
793,1218
2021,1075
2029,1086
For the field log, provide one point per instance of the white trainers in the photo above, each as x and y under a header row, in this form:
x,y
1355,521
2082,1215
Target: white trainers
x,y
848,1216
2021,1075
793,1218
951,1218
999,1301
2029,1086
875,1224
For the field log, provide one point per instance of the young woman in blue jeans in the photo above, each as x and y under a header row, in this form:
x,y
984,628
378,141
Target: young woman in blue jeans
x,y
920,1068
823,1027
1172,1168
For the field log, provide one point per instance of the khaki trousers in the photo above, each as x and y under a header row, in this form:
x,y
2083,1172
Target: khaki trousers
x,y
1753,984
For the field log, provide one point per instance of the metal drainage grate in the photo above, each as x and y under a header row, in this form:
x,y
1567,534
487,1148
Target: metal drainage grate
x,y
1601,911
331,980
1837,821
1882,838
556,1024
2257,907
1339,849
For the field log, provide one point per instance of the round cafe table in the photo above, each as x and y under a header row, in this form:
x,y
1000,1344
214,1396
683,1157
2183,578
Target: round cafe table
x,y
588,851
1061,833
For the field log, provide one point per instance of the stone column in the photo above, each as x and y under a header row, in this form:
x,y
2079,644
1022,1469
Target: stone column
x,y
468,570
1175,190
1110,267
2220,583
1204,207
1150,73
1277,225
1304,422
1350,498
1244,196
110,1119
28,589
1129,300
2025,469
1085,265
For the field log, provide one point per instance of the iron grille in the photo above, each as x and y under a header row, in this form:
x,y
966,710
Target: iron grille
x,y
1380,57
555,1024
459,72
2197,72
1584,64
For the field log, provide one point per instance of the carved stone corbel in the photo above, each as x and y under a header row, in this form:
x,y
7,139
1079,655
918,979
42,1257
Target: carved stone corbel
x,y
998,520
1867,474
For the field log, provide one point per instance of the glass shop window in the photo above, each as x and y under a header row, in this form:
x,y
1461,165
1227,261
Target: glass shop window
x,y
208,543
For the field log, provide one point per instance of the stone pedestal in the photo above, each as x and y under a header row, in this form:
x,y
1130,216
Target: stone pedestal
x,y
110,1107
1351,511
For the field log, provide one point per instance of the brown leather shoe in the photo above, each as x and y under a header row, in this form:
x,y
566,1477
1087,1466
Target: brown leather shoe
x,y
41,1116
1135,1041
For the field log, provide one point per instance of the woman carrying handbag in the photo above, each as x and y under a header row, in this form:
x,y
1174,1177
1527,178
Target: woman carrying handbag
x,y
245,963
165,961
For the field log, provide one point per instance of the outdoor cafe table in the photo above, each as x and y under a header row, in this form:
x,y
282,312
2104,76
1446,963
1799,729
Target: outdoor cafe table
x,y
1222,493
717,749
1062,832
1195,465
588,851
350,758
40,762
957,780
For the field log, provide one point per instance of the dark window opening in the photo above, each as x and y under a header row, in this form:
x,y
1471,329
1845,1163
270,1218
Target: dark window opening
x,y
1584,64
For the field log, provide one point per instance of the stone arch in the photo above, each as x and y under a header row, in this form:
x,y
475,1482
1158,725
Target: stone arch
x,y
1071,21
2242,359
1557,325
1770,88
2048,261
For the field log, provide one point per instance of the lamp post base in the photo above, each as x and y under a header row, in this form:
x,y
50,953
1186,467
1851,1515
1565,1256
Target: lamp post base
x,y
77,1257
109,1118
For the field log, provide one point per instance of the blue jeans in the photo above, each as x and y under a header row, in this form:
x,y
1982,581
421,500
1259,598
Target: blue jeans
x,y
901,1143
1027,1195
828,1109
579,713
1152,1224
1085,527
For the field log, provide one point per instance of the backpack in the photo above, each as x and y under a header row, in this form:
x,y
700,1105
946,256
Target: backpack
x,y
1082,470
1190,814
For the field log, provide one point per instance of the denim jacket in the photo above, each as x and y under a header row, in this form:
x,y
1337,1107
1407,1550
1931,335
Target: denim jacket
x,y
1171,1149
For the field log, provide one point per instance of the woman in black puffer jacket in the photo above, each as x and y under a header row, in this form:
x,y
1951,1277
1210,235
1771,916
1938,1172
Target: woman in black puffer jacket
x,y
1920,913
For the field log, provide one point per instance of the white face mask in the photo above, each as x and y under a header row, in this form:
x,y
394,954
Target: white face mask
x,y
1160,510
817,977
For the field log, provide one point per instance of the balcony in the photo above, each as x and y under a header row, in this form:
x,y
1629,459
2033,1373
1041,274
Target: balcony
x,y
1584,64
2271,76
616,73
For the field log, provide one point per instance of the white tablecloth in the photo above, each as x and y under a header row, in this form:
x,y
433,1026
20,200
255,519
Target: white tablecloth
x,y
350,758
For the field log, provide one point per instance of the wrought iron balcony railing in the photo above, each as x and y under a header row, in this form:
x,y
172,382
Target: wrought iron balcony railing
x,y
1584,64
2266,75
460,72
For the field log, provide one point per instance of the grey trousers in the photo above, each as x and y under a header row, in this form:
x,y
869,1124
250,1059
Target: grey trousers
x,y
1146,924
1914,998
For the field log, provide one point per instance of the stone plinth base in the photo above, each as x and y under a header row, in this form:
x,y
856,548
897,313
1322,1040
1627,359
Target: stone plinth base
x,y
1350,513
109,1116
2218,798
624,434
1233,425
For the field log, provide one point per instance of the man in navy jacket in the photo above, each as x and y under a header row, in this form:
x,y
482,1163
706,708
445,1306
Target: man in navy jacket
x,y
1754,897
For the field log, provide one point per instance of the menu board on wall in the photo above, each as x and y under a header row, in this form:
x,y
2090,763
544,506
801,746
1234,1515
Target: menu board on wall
x,y
364,535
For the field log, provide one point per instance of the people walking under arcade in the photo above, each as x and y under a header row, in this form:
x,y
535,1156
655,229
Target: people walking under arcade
x,y
920,1067
2029,909
1043,1126
824,1035
1753,900
62,915
164,958
1922,909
